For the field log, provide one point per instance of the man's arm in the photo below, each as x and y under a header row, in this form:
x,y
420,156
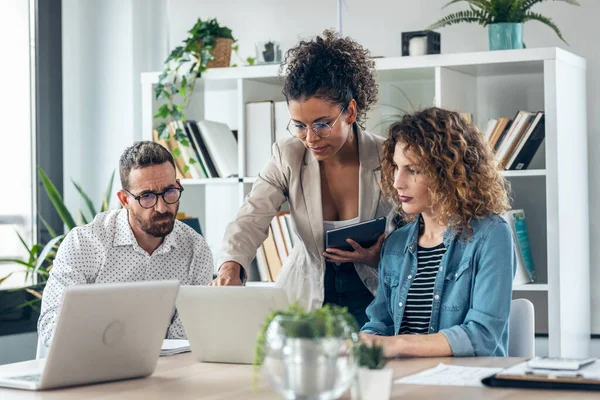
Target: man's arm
x,y
70,267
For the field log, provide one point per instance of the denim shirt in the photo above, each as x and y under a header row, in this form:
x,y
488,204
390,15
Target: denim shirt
x,y
472,291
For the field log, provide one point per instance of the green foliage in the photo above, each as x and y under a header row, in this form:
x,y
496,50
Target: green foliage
x,y
369,356
485,12
296,322
40,258
182,68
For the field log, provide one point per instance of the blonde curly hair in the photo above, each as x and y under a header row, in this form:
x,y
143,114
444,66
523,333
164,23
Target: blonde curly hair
x,y
458,165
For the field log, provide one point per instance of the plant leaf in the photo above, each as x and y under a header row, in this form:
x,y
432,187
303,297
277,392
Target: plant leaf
x,y
17,261
545,20
163,112
458,17
46,251
50,230
108,193
530,3
34,293
86,199
5,278
163,130
56,200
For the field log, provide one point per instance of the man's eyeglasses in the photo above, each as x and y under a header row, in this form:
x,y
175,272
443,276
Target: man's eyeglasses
x,y
149,199
320,129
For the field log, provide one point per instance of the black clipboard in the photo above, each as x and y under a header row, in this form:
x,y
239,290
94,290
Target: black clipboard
x,y
550,381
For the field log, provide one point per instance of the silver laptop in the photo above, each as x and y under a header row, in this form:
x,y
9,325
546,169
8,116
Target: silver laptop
x,y
222,322
104,332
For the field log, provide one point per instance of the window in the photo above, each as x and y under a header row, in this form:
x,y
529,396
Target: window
x,y
17,159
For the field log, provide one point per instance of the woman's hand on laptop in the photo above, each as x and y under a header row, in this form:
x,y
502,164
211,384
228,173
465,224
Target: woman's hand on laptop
x,y
229,275
364,255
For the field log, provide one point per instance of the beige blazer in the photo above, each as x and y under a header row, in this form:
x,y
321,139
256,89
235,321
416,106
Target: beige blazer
x,y
292,173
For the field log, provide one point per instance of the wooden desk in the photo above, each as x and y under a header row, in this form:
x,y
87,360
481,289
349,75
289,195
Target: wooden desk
x,y
180,377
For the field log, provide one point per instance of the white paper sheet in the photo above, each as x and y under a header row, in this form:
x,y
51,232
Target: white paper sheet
x,y
174,346
450,375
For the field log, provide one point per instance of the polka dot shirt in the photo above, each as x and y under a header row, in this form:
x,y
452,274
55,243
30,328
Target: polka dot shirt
x,y
106,251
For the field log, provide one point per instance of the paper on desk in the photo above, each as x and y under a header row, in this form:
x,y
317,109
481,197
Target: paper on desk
x,y
174,346
450,375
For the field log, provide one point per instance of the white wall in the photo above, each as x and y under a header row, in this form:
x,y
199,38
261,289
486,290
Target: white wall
x,y
378,24
107,44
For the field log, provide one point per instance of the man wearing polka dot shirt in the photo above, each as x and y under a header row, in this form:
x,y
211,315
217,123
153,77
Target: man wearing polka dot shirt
x,y
141,242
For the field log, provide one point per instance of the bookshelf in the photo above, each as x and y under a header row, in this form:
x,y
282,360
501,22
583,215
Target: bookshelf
x,y
553,191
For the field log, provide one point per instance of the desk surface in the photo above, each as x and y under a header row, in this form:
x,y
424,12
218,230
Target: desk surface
x,y
180,377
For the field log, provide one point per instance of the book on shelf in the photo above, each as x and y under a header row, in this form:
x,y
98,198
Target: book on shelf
x,y
179,162
516,141
263,267
203,154
222,147
195,148
525,268
498,132
529,144
272,255
282,118
278,245
187,152
192,222
279,239
259,132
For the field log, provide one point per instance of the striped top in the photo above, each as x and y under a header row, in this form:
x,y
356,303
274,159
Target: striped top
x,y
417,311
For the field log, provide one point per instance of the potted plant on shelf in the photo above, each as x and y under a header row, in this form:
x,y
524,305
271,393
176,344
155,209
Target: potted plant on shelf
x,y
372,381
308,354
504,18
19,304
208,45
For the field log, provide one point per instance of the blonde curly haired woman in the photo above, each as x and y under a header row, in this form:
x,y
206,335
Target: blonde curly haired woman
x,y
445,278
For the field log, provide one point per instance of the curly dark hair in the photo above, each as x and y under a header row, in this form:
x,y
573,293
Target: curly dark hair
x,y
333,69
458,165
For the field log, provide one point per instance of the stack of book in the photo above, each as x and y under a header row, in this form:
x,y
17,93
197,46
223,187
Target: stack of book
x,y
516,141
204,149
525,268
271,255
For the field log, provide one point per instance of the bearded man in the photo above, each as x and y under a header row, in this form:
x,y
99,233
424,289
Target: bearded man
x,y
141,242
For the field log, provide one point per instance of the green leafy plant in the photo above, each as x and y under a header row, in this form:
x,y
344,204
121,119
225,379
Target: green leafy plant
x,y
296,322
485,12
39,260
369,356
183,67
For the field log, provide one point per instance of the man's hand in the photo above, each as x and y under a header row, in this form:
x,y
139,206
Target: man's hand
x,y
369,256
229,275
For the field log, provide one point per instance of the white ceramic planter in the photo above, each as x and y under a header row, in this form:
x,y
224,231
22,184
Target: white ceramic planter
x,y
372,384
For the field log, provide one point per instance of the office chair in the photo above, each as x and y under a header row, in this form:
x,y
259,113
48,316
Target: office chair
x,y
521,325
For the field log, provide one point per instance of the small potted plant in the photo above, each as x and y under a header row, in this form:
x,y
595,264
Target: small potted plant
x,y
372,381
308,354
208,45
504,18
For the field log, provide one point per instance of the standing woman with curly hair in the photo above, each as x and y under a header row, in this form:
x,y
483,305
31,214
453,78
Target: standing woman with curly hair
x,y
328,171
445,279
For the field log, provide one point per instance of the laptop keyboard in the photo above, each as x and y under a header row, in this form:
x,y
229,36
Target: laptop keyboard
x,y
27,378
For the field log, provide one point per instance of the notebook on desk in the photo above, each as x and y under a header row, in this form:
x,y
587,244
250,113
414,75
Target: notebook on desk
x,y
523,376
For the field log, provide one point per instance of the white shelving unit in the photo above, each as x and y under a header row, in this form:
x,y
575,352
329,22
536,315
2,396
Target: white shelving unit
x,y
553,192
